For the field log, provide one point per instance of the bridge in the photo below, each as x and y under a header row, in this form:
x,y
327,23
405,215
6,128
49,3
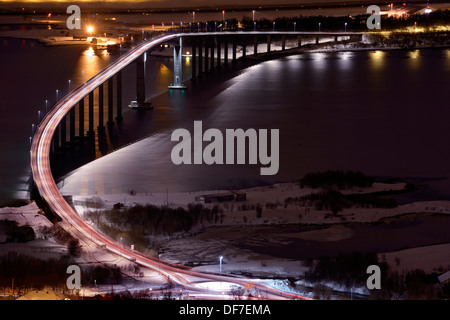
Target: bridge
x,y
52,132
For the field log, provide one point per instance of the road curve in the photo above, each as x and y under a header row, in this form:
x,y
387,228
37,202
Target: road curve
x,y
45,183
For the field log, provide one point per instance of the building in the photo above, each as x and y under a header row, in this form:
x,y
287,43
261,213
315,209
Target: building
x,y
224,196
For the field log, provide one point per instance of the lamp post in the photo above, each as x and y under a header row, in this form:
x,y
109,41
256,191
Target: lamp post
x,y
295,26
69,85
345,29
253,12
220,259
57,95
223,16
273,26
193,16
46,106
319,26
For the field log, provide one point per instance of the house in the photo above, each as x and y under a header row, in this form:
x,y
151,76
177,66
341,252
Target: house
x,y
445,277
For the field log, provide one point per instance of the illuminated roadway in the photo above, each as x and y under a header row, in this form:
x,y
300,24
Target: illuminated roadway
x,y
45,183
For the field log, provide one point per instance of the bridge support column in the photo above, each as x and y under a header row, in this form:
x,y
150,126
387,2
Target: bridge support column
x,y
200,58
219,53
100,108
213,47
110,102
140,81
194,59
244,49
234,51
63,132
119,95
72,125
336,38
299,41
81,118
56,139
206,55
91,131
283,43
317,39
268,43
177,67
255,46
225,52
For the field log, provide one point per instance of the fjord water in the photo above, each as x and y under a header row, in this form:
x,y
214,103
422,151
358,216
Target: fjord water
x,y
383,113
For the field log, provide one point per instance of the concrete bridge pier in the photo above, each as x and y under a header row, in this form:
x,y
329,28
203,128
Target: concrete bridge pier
x,y
63,135
110,102
225,52
283,42
212,47
219,53
100,108
119,95
206,55
200,58
140,81
81,118
234,51
299,41
244,49
255,45
72,125
178,67
91,131
55,141
194,60
268,43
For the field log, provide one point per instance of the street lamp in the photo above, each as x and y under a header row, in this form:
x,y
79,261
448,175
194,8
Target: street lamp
x,y
319,26
223,16
57,95
46,106
254,26
90,29
39,116
345,27
295,26
69,85
220,259
193,16
274,26
253,12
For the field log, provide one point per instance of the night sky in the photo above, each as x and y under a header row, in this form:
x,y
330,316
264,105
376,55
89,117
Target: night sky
x,y
176,3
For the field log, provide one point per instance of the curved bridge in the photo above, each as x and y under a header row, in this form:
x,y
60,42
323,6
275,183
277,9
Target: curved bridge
x,y
42,146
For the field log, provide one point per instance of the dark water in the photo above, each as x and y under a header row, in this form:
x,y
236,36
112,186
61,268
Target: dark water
x,y
30,74
402,234
384,113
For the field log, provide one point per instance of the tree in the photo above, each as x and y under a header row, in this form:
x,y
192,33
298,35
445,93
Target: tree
x,y
74,248
258,211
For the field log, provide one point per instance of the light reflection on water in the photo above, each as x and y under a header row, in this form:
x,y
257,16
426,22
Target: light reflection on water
x,y
346,111
356,111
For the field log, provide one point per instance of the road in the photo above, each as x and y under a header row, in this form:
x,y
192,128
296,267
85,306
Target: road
x,y
45,183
